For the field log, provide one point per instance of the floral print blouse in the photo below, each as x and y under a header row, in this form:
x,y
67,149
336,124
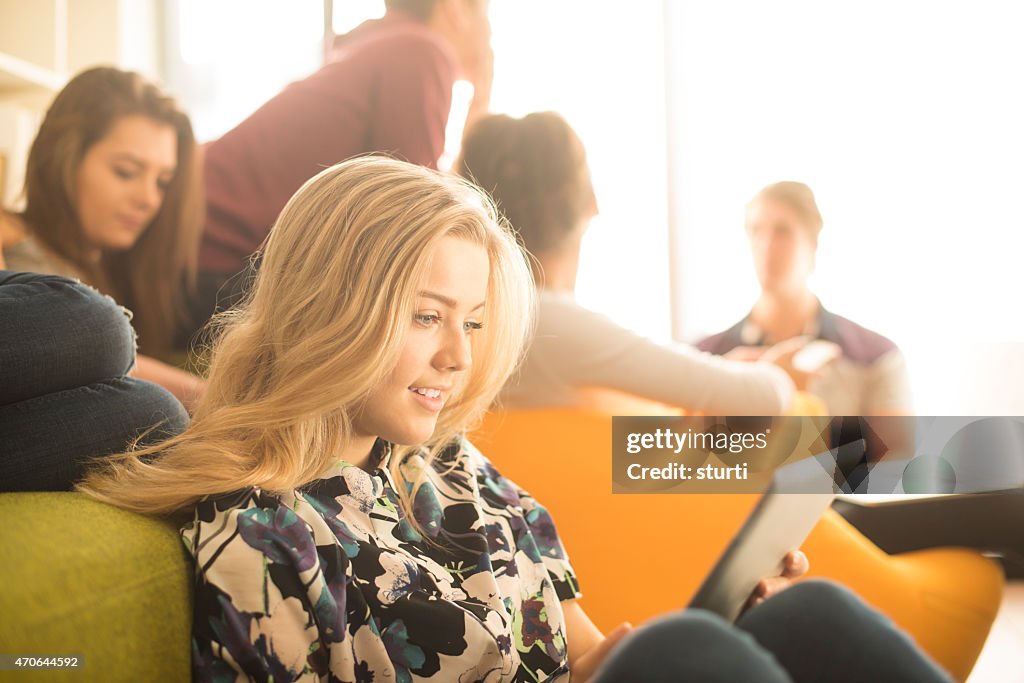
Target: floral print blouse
x,y
331,583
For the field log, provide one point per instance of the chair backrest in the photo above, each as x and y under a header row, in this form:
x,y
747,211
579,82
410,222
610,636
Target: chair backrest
x,y
636,555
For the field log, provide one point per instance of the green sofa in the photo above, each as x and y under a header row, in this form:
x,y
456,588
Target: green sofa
x,y
121,601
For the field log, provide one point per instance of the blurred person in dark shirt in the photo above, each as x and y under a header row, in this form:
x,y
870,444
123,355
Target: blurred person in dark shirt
x,y
386,87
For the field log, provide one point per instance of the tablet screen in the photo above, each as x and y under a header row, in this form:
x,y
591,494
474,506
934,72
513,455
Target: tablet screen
x,y
779,523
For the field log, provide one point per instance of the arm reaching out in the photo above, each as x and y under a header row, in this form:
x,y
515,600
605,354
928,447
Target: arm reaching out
x,y
185,386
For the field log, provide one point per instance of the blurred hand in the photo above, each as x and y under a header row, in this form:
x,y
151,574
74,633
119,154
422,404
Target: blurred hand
x,y
746,353
588,663
781,354
794,565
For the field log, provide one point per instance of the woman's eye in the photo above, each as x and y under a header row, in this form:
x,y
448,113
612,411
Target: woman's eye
x,y
427,319
124,173
432,319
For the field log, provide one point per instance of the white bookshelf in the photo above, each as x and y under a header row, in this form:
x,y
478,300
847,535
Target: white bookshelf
x,y
44,42
33,68
17,75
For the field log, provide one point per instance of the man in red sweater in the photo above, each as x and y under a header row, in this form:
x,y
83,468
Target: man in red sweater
x,y
386,87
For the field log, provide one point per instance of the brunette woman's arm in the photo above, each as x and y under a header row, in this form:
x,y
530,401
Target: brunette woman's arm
x,y
185,386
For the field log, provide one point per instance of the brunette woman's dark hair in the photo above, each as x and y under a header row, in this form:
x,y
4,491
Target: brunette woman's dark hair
x,y
150,277
535,168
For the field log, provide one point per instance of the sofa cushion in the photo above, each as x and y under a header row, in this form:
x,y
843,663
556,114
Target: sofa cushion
x,y
87,579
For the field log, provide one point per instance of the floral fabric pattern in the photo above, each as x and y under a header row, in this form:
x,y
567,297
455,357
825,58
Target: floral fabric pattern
x,y
332,583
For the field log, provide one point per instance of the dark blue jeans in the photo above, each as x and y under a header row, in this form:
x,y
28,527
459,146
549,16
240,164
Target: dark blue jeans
x,y
64,398
815,631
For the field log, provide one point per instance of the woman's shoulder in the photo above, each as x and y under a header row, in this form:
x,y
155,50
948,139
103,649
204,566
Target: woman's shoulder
x,y
239,534
461,465
461,455
568,334
212,507
859,344
493,488
30,255
558,306
225,515
725,341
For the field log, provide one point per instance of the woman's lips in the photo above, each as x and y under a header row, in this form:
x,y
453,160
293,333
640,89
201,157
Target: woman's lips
x,y
433,401
133,223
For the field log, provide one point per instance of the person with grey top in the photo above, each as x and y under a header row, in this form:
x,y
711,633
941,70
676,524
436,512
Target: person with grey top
x,y
535,168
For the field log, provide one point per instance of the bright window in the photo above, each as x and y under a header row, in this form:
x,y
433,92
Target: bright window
x,y
227,57
598,65
905,119
601,65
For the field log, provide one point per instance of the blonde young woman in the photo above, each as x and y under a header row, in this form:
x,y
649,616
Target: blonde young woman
x,y
343,529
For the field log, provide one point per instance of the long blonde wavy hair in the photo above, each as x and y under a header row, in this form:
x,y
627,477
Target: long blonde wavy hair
x,y
323,325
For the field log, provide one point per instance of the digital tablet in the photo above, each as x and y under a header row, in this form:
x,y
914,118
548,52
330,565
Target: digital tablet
x,y
780,522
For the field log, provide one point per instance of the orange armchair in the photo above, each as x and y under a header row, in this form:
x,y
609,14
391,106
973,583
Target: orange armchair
x,y
642,555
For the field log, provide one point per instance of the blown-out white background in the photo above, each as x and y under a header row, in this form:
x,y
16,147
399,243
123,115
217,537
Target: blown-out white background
x,y
904,118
